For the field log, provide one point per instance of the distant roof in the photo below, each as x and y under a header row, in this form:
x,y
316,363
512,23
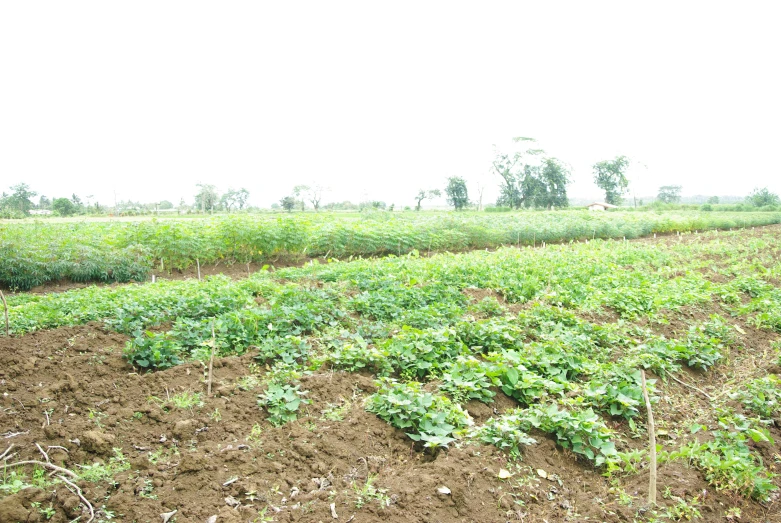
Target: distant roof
x,y
602,204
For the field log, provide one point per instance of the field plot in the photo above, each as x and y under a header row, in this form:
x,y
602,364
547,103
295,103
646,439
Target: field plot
x,y
37,253
476,387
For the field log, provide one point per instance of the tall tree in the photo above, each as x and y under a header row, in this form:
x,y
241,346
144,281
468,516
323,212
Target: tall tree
x,y
21,198
759,197
610,176
300,192
207,197
669,194
64,206
288,203
426,195
234,199
529,178
457,194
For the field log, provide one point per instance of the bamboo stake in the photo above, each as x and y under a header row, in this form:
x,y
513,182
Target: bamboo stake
x,y
211,365
198,264
5,307
651,442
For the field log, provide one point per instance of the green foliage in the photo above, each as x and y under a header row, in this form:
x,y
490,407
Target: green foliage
x,y
155,351
282,401
729,464
762,197
504,432
669,194
761,396
431,418
104,471
457,193
580,431
610,176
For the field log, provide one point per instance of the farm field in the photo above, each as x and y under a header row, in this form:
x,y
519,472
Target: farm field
x,y
476,387
37,253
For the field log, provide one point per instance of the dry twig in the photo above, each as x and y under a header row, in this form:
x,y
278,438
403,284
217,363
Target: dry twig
x,y
651,443
5,307
692,387
47,465
45,455
3,455
81,496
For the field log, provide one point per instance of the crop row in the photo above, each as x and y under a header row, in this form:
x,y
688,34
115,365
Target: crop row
x,y
410,321
34,253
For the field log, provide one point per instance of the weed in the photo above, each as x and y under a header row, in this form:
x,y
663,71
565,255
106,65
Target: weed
x,y
684,510
104,471
367,492
335,411
186,400
147,490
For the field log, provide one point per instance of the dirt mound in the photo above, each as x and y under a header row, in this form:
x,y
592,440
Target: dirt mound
x,y
166,446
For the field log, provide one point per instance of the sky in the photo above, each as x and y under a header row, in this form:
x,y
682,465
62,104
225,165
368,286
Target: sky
x,y
376,100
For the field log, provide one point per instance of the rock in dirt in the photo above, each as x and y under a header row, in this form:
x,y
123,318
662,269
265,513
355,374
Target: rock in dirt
x,y
184,429
443,490
97,442
212,519
232,502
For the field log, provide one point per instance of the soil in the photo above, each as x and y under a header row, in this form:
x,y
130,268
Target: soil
x,y
223,459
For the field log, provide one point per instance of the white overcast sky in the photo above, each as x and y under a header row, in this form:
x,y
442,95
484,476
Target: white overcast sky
x,y
378,100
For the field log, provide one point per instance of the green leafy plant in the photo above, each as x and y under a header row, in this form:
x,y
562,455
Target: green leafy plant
x,y
432,419
281,401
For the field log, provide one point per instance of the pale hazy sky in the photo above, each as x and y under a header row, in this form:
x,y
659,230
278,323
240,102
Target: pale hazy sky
x,y
377,100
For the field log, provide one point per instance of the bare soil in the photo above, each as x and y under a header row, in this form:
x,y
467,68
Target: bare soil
x,y
223,459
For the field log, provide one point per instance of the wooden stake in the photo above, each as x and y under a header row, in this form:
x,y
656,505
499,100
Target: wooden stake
x,y
651,442
211,365
5,307
198,264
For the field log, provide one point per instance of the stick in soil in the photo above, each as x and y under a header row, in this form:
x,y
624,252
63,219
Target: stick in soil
x,y
45,465
198,264
45,455
81,497
691,387
5,308
651,443
4,454
211,366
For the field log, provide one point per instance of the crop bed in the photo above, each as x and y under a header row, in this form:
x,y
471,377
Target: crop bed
x,y
36,253
484,386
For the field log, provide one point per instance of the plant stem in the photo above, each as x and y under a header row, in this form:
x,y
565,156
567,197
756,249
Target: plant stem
x,y
5,307
651,442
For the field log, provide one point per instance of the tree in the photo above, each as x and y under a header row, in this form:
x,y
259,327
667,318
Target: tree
x,y
207,197
288,203
610,176
759,197
552,191
300,191
457,194
713,200
531,179
165,205
20,198
44,203
669,194
425,195
64,206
